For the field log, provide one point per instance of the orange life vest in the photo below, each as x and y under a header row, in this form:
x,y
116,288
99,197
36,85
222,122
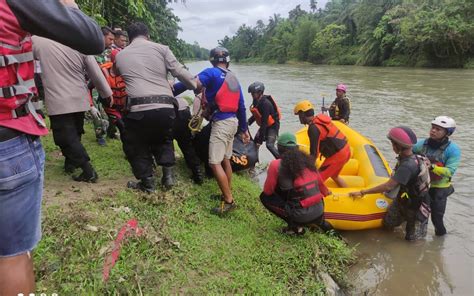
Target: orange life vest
x,y
331,139
17,85
117,84
258,117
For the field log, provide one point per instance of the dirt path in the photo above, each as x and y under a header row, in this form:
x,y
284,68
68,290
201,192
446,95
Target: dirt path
x,y
62,192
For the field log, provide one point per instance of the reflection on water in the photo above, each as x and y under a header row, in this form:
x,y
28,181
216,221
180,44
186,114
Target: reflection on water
x,y
383,98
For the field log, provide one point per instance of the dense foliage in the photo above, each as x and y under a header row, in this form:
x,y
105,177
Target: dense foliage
x,y
432,33
163,24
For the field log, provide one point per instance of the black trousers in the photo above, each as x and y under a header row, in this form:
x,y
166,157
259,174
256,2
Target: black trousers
x,y
147,135
67,133
270,142
278,206
439,198
183,136
271,136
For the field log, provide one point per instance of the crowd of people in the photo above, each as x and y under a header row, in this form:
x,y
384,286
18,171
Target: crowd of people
x,y
131,78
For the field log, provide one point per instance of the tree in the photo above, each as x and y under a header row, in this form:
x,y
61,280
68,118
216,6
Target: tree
x,y
304,35
313,5
328,43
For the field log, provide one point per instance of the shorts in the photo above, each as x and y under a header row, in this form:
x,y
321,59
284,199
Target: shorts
x,y
21,190
221,140
332,166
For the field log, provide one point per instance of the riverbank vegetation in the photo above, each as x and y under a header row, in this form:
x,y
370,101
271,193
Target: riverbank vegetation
x,y
182,248
162,22
422,33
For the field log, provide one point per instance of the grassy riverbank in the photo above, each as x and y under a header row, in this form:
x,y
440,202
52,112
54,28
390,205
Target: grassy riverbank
x,y
183,248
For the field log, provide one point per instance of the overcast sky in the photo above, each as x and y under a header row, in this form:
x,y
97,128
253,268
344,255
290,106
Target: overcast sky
x,y
207,21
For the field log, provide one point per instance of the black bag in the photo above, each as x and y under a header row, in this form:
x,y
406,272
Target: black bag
x,y
244,156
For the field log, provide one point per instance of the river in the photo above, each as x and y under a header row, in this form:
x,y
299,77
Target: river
x,y
382,98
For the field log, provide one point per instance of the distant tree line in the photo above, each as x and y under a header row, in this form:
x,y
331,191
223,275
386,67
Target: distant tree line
x,y
163,24
427,33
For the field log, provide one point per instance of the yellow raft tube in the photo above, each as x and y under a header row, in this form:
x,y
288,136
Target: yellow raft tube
x,y
366,168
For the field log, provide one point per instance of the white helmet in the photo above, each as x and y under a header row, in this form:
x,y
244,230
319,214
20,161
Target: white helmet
x,y
445,122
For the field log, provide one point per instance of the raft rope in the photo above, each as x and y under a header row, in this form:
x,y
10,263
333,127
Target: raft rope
x,y
196,120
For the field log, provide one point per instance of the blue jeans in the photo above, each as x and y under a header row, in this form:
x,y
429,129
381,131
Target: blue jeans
x,y
21,190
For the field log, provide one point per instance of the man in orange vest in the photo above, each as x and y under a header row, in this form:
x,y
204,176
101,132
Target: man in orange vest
x,y
22,155
325,140
266,114
116,108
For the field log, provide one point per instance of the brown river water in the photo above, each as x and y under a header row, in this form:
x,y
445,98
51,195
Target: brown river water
x,y
382,98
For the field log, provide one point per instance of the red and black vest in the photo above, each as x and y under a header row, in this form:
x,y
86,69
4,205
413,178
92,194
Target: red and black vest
x,y
17,85
271,118
305,190
331,139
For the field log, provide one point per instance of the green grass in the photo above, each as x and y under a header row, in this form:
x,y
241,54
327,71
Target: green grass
x,y
183,249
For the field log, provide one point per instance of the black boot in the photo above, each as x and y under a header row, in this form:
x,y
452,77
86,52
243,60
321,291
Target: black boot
x,y
69,168
168,178
198,177
88,174
145,184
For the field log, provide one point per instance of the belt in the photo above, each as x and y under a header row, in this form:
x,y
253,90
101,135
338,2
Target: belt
x,y
151,100
8,133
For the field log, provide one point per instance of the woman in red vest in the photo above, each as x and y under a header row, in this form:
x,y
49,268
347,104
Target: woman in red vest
x,y
294,190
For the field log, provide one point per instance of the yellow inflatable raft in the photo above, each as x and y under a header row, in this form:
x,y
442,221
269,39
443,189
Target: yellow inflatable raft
x,y
366,168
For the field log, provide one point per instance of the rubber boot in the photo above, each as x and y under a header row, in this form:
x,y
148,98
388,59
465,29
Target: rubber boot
x,y
198,177
145,184
168,177
88,174
69,168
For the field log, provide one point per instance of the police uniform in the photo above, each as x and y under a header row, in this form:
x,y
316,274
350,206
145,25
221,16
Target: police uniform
x,y
144,66
67,95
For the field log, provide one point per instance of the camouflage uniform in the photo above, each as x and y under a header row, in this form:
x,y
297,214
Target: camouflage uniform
x,y
101,124
397,214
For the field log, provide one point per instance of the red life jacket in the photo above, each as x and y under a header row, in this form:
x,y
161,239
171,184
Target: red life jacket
x,y
117,85
331,139
258,117
17,84
306,189
228,95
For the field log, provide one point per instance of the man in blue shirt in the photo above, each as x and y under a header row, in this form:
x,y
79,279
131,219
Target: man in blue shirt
x,y
225,108
445,157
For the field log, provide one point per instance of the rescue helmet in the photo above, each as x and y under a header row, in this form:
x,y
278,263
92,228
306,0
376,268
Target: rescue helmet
x,y
341,87
219,55
403,136
303,106
255,87
445,122
287,140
